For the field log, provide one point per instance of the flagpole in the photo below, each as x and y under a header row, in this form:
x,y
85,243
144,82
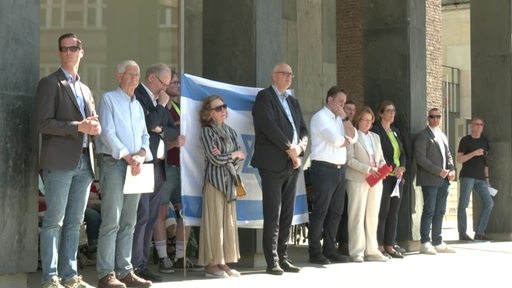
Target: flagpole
x,y
185,242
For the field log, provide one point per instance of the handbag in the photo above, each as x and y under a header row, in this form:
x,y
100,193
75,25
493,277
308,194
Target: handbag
x,y
240,188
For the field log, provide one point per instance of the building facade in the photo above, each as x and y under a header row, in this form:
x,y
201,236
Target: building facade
x,y
376,49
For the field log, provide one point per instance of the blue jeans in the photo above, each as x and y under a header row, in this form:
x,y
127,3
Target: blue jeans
x,y
119,214
66,194
467,185
434,207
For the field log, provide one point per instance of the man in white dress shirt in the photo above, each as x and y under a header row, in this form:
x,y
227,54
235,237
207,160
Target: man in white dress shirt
x,y
331,132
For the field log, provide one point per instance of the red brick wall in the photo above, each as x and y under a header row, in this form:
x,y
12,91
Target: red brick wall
x,y
349,50
434,55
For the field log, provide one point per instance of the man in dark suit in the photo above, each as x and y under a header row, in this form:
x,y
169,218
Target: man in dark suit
x,y
67,119
435,170
281,137
161,128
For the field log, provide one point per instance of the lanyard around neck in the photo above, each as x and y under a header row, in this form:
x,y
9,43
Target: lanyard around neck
x,y
176,108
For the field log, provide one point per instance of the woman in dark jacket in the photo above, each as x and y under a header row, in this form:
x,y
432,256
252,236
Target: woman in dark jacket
x,y
394,154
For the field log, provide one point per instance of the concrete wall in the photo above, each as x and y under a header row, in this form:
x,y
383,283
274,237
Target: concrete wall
x,y
18,153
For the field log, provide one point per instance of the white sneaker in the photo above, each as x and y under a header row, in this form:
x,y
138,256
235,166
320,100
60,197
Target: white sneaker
x,y
76,282
52,283
427,248
443,248
377,257
357,259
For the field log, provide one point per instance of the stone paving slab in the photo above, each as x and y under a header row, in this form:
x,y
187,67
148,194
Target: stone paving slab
x,y
473,265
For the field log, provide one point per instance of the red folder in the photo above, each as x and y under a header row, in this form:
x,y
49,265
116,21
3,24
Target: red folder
x,y
384,171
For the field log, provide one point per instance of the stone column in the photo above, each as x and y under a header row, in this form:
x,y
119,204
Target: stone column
x,y
394,46
241,44
491,78
18,154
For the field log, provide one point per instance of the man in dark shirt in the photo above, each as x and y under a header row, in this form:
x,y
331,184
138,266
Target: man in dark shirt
x,y
474,176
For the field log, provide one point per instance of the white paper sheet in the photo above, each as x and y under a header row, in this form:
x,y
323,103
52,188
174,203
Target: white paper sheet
x,y
396,190
142,183
492,191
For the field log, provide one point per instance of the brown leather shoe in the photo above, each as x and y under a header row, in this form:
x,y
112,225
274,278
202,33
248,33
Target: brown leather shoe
x,y
110,281
132,280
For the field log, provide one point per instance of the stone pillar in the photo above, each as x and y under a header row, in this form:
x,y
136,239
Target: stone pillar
x,y
491,78
241,40
241,44
193,46
395,69
18,153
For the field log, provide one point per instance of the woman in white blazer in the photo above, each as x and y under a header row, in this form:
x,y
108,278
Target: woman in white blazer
x,y
364,158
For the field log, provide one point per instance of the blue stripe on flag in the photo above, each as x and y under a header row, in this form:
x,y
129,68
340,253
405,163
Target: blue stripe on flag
x,y
247,210
234,100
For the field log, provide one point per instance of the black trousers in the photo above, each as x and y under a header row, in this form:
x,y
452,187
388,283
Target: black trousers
x,y
278,191
328,201
388,214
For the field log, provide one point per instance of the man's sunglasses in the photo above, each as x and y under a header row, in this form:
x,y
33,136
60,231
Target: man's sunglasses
x,y
70,48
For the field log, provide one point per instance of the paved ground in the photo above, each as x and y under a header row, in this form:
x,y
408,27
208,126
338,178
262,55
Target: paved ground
x,y
473,265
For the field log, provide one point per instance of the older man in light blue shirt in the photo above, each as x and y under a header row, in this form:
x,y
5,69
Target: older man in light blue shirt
x,y
125,142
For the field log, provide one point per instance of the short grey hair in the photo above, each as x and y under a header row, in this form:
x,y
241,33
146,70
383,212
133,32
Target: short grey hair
x,y
121,67
157,69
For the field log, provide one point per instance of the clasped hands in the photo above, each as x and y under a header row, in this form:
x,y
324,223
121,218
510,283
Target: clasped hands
x,y
135,161
90,126
293,152
447,173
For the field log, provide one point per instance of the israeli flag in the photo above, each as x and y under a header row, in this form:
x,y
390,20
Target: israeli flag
x,y
240,100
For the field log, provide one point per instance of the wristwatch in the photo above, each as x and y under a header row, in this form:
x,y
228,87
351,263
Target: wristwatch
x,y
345,119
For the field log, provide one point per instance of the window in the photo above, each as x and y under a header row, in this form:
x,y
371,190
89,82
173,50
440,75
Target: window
x,y
72,14
127,35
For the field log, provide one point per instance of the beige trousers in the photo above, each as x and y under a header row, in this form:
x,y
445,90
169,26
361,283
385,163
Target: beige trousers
x,y
363,217
218,237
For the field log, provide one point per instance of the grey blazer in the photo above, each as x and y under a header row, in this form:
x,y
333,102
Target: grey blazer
x,y
58,115
429,159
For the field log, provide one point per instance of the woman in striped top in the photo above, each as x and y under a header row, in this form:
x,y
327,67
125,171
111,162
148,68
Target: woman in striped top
x,y
218,240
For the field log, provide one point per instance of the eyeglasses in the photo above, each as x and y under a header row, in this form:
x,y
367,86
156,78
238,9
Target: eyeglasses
x,y
478,124
69,48
286,73
161,82
219,108
390,110
175,83
434,116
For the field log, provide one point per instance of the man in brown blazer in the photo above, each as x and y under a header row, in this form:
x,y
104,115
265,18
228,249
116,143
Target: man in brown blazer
x,y
66,119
